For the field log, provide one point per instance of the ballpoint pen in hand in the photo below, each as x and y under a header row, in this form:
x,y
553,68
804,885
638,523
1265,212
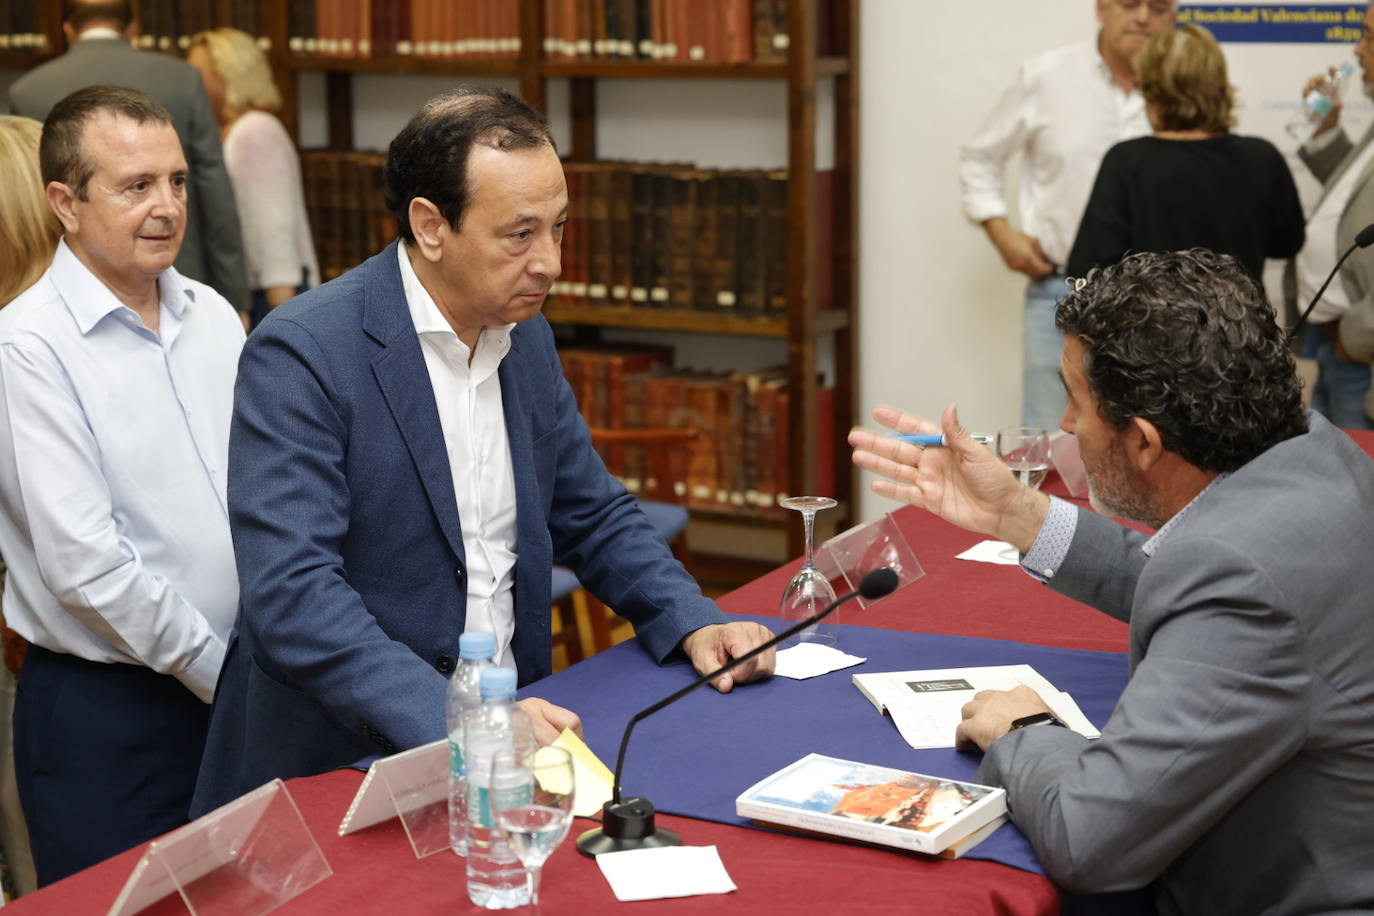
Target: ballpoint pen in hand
x,y
932,439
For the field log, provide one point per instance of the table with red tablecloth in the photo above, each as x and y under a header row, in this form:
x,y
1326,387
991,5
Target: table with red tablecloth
x,y
375,870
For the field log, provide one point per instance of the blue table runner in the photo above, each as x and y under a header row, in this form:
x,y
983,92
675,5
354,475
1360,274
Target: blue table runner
x,y
694,757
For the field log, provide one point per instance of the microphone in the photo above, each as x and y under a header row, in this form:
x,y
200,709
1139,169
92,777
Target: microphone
x,y
629,823
1363,239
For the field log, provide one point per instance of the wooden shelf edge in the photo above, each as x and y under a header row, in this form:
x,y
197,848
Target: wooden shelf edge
x,y
826,322
426,65
634,69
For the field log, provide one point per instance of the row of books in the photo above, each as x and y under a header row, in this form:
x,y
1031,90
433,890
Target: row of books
x,y
168,25
739,460
469,29
675,236
643,235
719,31
22,29
346,200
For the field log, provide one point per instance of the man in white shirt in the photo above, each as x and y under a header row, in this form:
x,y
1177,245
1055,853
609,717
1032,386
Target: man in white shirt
x,y
116,385
1340,330
407,464
1066,108
99,52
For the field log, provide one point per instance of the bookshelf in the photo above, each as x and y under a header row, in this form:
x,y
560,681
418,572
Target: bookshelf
x,y
808,331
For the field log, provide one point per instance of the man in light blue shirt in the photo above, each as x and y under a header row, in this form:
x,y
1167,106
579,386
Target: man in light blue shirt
x,y
116,389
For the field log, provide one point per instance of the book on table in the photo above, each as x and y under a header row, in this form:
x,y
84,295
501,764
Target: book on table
x,y
875,804
926,706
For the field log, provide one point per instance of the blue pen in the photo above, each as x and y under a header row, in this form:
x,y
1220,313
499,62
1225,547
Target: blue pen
x,y
935,438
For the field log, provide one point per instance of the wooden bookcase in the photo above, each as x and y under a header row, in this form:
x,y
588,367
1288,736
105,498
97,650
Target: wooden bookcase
x,y
804,326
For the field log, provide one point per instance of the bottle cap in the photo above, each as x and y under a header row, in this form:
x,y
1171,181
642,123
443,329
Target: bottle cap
x,y
476,645
496,683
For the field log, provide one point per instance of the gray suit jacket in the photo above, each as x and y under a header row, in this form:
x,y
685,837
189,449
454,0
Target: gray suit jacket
x,y
212,251
1237,770
1329,164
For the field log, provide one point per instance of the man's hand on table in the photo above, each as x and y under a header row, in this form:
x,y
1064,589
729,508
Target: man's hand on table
x,y
714,645
550,720
988,716
963,483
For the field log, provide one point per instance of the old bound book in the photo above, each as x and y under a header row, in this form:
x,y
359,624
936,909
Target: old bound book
x,y
873,804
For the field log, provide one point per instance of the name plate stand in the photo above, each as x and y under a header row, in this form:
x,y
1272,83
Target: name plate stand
x,y
412,785
849,556
243,859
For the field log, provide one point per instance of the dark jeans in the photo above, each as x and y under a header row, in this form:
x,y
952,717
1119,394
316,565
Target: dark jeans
x,y
1338,394
106,757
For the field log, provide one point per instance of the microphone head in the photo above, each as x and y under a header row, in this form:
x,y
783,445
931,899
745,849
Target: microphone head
x,y
1365,238
881,581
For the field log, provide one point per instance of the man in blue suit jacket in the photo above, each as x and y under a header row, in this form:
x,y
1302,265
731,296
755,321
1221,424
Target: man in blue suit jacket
x,y
407,461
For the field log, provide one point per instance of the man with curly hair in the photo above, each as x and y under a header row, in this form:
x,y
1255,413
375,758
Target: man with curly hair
x,y
1236,774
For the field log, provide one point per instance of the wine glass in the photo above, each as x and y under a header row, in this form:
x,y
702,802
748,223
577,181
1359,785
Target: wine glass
x,y
809,592
1026,450
531,797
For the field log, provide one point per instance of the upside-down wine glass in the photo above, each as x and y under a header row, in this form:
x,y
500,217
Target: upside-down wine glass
x,y
1026,450
531,805
809,592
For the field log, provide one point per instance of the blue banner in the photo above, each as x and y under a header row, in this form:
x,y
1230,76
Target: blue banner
x,y
1282,23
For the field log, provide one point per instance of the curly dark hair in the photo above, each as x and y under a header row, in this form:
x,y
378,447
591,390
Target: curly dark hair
x,y
1187,340
429,157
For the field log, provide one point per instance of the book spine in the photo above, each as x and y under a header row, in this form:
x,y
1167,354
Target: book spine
x,y
622,233
727,242
750,264
704,242
834,826
682,219
599,203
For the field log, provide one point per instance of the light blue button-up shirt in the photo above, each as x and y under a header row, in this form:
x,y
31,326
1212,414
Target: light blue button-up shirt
x,y
114,448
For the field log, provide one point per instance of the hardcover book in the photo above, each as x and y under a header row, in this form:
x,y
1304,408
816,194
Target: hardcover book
x,y
873,804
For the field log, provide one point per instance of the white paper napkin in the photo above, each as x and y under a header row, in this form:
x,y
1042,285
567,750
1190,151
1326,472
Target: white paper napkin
x,y
667,871
989,552
809,659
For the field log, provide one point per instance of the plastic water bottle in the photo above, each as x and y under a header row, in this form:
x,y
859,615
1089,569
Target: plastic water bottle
x,y
475,653
1318,103
496,879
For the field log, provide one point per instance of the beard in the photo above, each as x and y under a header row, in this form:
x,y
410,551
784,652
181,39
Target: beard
x,y
1115,491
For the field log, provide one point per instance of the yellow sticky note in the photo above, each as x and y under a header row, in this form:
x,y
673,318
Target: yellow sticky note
x,y
594,782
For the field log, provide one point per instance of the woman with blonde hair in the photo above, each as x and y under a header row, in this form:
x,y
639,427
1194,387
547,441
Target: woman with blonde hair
x,y
28,229
28,238
263,166
1193,184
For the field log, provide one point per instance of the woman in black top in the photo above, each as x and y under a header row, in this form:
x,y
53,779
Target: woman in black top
x,y
1193,183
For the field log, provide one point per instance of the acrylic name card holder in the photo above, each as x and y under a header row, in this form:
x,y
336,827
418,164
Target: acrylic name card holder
x,y
411,785
243,859
849,556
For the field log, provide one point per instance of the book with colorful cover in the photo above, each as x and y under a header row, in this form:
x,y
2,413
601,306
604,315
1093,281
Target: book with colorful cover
x,y
874,804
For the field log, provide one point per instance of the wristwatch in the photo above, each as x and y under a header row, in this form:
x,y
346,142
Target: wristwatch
x,y
1039,718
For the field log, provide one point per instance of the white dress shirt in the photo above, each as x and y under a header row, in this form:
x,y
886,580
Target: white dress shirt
x,y
1319,254
261,160
1062,114
114,443
467,391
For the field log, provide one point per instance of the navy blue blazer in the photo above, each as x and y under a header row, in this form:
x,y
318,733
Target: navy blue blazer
x,y
349,546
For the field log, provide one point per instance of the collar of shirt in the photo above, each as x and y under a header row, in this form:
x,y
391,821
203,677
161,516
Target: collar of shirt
x,y
89,300
492,345
99,31
1152,545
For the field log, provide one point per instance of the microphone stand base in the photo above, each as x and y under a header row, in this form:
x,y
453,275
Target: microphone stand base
x,y
628,824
